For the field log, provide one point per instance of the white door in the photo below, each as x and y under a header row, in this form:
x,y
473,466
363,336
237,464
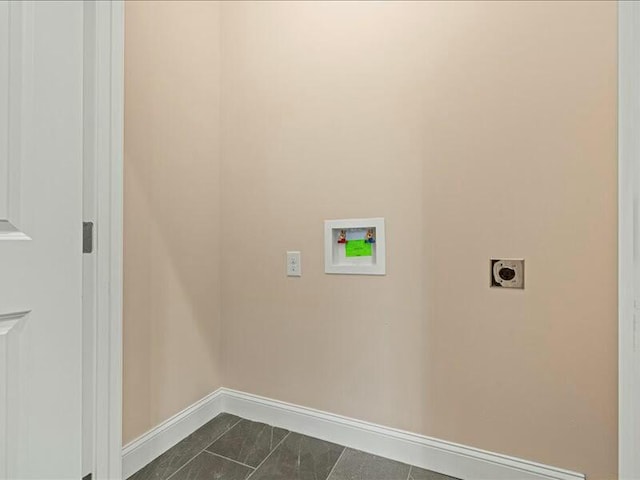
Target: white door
x,y
41,69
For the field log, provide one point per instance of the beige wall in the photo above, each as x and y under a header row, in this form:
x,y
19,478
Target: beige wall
x,y
172,210
475,129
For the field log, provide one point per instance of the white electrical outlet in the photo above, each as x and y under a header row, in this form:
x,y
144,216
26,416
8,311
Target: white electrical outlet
x,y
294,264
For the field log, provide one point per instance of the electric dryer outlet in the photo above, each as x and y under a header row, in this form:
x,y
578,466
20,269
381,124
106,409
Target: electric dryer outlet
x,y
507,273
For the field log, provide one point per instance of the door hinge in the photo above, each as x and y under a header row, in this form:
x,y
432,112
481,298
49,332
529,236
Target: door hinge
x,y
87,237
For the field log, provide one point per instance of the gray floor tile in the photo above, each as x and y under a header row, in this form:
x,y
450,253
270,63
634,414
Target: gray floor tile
x,y
208,466
421,474
300,458
356,465
169,462
248,442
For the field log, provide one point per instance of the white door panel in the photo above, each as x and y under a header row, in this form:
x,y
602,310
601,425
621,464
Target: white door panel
x,y
4,109
16,60
41,61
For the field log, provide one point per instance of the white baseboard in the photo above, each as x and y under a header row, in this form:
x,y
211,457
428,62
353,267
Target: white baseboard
x,y
459,461
158,440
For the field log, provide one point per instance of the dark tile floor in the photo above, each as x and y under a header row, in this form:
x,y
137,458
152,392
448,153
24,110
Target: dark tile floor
x,y
232,448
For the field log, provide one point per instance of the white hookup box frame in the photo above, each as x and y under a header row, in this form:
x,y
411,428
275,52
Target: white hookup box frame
x,y
336,260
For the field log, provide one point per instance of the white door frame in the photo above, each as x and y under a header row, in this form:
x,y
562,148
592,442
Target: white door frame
x,y
109,238
107,146
629,239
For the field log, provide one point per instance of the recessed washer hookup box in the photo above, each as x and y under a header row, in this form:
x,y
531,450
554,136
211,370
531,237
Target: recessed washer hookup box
x,y
355,246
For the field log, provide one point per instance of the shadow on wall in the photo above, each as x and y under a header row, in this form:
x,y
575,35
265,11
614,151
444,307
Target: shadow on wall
x,y
172,215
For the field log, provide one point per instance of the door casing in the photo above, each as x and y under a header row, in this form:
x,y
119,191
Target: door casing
x,y
103,194
628,240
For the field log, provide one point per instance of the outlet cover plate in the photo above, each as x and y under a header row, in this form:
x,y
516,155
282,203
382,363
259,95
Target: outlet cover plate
x,y
294,264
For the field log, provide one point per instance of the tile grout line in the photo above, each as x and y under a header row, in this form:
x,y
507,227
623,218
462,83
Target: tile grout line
x,y
216,439
344,449
270,453
227,458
